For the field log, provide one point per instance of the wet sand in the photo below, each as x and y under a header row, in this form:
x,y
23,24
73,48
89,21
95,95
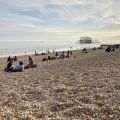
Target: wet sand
x,y
83,87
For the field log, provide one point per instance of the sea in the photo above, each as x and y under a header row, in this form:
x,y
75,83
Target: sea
x,y
15,48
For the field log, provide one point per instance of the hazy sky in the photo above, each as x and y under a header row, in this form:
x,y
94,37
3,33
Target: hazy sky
x,y
59,19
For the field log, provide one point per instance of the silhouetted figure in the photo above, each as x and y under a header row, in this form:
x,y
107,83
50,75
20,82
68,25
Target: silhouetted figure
x,y
9,66
53,51
85,50
108,49
42,53
56,54
35,52
68,54
15,58
48,51
44,59
117,46
94,48
49,58
9,59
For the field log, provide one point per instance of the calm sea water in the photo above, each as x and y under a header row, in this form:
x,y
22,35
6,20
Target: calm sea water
x,y
12,48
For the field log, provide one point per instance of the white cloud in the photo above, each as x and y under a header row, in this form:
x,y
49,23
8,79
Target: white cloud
x,y
34,17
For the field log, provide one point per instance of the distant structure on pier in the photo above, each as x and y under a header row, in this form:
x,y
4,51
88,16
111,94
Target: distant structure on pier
x,y
85,39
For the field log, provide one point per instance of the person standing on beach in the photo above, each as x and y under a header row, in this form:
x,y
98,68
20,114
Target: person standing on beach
x,y
36,53
56,54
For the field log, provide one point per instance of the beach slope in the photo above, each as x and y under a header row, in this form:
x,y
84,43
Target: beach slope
x,y
83,87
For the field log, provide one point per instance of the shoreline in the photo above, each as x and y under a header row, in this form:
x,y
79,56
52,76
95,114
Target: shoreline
x,y
58,48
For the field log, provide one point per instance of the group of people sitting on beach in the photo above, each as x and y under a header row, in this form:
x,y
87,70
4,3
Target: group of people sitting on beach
x,y
85,50
14,58
20,67
111,48
63,55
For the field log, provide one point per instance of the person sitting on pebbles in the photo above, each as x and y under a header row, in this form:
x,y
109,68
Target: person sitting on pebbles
x,y
85,50
31,63
62,56
9,59
68,54
19,68
9,67
108,49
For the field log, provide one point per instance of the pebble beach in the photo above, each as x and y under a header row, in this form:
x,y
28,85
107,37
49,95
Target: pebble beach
x,y
85,86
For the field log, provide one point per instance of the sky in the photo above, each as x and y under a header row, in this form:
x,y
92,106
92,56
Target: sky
x,y
62,20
